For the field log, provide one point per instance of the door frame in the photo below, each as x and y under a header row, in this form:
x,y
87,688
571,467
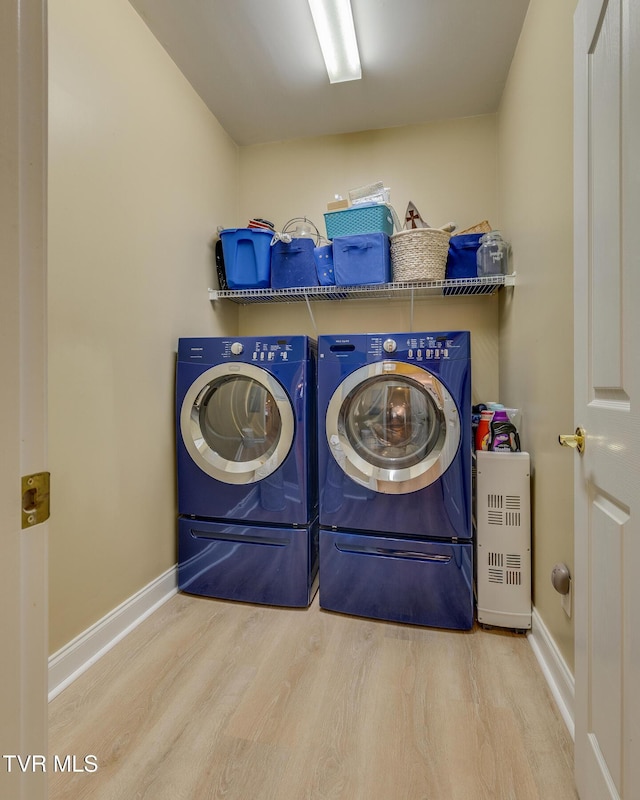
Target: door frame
x,y
23,355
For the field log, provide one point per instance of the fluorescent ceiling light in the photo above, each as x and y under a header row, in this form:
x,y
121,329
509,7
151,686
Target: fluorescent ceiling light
x,y
334,25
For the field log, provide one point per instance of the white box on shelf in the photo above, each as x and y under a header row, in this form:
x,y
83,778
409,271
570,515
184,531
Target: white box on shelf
x,y
503,539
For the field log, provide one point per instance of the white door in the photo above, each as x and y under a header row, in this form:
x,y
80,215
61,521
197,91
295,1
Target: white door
x,y
607,394
23,553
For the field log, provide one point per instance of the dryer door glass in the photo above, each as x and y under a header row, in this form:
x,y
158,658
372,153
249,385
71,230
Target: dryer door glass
x,y
393,427
237,423
239,419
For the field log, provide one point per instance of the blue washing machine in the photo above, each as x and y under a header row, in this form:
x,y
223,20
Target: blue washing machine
x,y
394,461
247,468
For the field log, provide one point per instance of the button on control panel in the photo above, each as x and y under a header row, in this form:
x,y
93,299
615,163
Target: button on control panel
x,y
428,349
413,348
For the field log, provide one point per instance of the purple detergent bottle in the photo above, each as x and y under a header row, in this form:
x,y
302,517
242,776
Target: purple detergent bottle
x,y
503,433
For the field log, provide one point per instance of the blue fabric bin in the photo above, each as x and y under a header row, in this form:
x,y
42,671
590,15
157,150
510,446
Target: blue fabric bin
x,y
293,264
461,259
247,257
361,259
324,264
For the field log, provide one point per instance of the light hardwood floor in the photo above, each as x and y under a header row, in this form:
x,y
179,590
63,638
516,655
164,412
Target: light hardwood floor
x,y
212,699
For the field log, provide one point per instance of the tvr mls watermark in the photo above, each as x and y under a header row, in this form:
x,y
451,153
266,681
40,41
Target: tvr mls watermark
x,y
39,763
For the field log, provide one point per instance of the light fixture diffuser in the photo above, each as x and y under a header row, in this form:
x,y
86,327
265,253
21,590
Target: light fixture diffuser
x,y
337,36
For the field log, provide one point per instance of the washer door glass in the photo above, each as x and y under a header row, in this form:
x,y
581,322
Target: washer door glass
x,y
237,423
393,427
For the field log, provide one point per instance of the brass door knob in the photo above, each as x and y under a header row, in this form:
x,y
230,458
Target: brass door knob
x,y
576,440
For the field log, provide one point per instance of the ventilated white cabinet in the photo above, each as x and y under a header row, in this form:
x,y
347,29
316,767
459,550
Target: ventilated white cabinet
x,y
503,539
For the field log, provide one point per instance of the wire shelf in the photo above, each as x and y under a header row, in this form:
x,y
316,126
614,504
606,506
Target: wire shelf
x,y
384,291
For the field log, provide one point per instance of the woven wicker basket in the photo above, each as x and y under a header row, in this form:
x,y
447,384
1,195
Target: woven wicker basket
x,y
481,227
419,254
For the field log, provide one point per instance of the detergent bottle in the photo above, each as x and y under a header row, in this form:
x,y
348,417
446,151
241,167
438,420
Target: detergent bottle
x,y
482,431
503,434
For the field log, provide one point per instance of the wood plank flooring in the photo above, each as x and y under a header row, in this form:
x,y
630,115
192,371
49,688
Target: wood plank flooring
x,y
211,699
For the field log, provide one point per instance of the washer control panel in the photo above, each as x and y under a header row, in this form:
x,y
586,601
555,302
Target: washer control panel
x,y
420,347
428,348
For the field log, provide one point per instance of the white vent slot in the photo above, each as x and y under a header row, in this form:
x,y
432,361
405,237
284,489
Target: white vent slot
x,y
494,517
514,561
514,577
512,501
496,559
512,519
496,576
494,501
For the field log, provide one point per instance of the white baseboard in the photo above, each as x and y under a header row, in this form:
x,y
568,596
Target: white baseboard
x,y
555,670
79,654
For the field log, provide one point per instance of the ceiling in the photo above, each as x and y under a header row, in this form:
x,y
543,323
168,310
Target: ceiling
x,y
257,63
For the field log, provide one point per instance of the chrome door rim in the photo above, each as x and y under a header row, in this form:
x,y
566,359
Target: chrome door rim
x,y
408,479
208,460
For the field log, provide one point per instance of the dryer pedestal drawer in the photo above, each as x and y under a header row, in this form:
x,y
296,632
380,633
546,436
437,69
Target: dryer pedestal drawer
x,y
274,566
402,580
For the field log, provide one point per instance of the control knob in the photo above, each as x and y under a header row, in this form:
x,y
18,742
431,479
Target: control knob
x,y
389,346
237,348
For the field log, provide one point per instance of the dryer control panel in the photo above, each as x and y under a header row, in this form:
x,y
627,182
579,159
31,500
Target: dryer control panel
x,y
245,349
409,347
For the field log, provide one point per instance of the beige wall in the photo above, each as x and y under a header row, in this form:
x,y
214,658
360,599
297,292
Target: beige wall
x,y
536,324
448,169
140,176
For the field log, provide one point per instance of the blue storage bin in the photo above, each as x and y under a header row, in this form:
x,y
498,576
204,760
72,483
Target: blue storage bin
x,y
360,219
461,259
247,257
293,264
324,264
361,259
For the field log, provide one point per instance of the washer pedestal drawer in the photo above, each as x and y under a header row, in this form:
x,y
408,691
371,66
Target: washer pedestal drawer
x,y
403,580
254,564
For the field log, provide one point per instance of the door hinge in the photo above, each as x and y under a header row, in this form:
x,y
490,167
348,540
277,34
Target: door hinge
x,y
35,499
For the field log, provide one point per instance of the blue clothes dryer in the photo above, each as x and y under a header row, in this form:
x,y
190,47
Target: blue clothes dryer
x,y
247,468
394,461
